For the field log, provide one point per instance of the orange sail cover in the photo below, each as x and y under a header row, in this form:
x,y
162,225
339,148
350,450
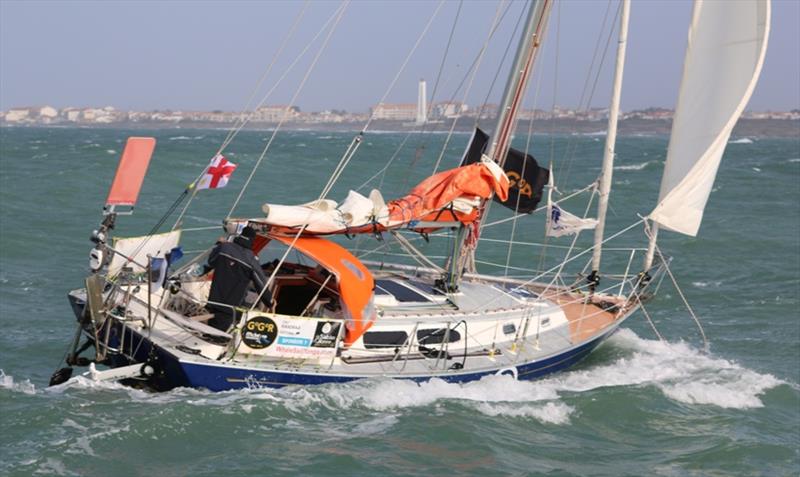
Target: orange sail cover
x,y
130,171
435,192
355,282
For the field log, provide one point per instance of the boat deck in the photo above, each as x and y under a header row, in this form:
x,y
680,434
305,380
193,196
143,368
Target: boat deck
x,y
586,318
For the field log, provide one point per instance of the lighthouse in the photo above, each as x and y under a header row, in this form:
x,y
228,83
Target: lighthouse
x,y
422,104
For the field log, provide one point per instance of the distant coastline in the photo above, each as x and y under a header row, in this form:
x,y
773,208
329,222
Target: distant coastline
x,y
745,127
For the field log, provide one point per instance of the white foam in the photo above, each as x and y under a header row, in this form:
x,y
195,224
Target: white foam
x,y
7,382
794,159
52,466
714,284
757,169
111,151
744,140
680,371
550,413
632,167
378,425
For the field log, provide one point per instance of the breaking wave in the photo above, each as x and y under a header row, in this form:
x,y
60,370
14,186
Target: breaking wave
x,y
7,382
633,167
744,140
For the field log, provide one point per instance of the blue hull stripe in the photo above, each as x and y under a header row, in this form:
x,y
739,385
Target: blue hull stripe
x,y
219,377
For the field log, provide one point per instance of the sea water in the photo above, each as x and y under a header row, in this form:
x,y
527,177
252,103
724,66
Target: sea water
x,y
637,406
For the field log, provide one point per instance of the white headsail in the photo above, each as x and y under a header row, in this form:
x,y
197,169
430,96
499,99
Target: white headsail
x,y
727,43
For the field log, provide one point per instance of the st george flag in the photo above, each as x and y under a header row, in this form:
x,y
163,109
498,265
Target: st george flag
x,y
217,173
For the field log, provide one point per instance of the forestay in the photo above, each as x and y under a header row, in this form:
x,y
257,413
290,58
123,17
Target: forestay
x,y
727,43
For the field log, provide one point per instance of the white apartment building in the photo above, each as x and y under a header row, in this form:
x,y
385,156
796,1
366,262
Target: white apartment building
x,y
395,112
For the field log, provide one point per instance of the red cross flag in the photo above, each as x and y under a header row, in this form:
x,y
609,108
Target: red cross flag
x,y
217,173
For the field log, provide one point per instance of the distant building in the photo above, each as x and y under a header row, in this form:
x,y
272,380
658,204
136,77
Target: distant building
x,y
71,114
275,114
17,115
449,109
395,112
48,112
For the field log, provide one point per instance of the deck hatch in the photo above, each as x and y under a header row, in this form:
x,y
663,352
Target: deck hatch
x,y
401,292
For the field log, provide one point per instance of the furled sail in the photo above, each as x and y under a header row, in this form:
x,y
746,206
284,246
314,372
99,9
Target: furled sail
x,y
449,196
724,55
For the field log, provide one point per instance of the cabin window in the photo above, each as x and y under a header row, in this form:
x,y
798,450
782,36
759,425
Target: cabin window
x,y
384,339
400,292
436,336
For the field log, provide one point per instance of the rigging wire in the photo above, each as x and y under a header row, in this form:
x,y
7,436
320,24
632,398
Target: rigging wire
x,y
471,75
336,18
423,137
648,233
572,145
245,118
349,153
236,129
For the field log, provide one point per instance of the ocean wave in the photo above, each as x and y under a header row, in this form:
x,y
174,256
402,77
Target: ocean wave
x,y
744,140
714,284
794,159
633,167
111,151
681,372
185,138
7,382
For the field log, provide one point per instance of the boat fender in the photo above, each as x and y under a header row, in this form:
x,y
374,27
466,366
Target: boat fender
x,y
512,371
96,259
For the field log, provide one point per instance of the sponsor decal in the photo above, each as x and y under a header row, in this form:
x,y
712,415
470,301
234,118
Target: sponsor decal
x,y
325,335
292,341
259,332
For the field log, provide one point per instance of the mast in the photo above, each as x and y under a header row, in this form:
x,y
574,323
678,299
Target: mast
x,y
608,155
518,78
651,247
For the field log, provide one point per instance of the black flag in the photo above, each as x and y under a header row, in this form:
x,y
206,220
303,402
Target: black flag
x,y
475,148
526,181
526,178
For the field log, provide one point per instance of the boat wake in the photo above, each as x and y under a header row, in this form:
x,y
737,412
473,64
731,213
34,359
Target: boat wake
x,y
679,371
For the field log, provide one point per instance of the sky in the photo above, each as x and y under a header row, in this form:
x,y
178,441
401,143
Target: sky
x,y
209,55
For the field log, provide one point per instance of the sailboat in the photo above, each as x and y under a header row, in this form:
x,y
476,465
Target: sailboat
x,y
337,317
